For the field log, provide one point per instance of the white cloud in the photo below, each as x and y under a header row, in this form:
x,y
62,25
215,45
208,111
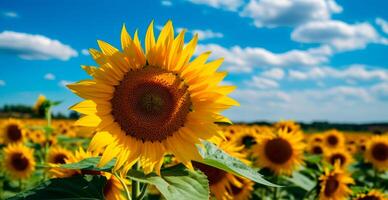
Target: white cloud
x,y
239,59
340,104
274,73
49,76
34,47
262,83
2,83
270,13
340,35
383,24
203,34
85,52
63,83
231,5
351,73
10,14
166,3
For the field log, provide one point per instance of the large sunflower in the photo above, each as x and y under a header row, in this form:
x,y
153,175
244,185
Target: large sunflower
x,y
12,131
19,161
144,105
377,152
334,184
334,139
281,152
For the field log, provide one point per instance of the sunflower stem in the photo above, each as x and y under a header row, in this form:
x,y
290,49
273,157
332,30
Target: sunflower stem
x,y
275,194
47,134
135,184
127,194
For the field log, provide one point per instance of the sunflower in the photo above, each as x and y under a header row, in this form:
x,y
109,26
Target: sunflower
x,y
112,189
221,183
377,152
316,148
40,106
334,184
372,195
281,152
12,131
288,126
340,155
144,105
246,137
316,138
334,139
241,191
19,161
58,155
37,136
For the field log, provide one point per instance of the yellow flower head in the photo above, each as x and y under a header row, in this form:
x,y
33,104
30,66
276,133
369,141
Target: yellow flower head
x,y
334,184
145,104
334,139
280,151
12,131
39,102
340,155
19,161
377,152
372,195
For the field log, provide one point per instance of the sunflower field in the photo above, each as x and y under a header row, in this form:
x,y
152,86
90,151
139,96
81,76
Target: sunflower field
x,y
151,127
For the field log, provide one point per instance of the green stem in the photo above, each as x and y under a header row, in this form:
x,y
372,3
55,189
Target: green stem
x,y
275,194
47,135
143,191
127,194
135,184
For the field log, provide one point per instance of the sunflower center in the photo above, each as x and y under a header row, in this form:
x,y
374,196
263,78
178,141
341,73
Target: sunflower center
x,y
317,150
380,151
332,140
150,104
248,141
369,198
19,162
14,133
213,174
336,157
331,186
60,159
278,150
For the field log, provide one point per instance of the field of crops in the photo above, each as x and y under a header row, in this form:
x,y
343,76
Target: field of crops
x,y
308,166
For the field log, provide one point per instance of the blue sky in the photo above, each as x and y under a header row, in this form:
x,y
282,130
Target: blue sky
x,y
303,59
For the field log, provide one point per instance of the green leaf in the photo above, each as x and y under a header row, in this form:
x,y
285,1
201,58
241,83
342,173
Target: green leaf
x,y
301,181
215,157
76,187
176,183
90,164
316,159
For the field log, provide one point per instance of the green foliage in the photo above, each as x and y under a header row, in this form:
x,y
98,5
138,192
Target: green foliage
x,y
76,187
217,158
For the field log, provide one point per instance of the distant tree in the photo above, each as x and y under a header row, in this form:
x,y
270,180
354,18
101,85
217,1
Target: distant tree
x,y
74,115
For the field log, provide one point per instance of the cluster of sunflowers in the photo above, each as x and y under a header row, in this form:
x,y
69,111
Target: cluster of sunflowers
x,y
151,127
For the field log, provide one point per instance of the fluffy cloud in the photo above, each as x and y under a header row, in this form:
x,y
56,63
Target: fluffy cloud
x,y
239,59
353,72
340,103
166,3
383,24
262,83
2,83
269,13
340,35
85,52
274,73
63,83
49,76
10,14
34,47
204,34
231,5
